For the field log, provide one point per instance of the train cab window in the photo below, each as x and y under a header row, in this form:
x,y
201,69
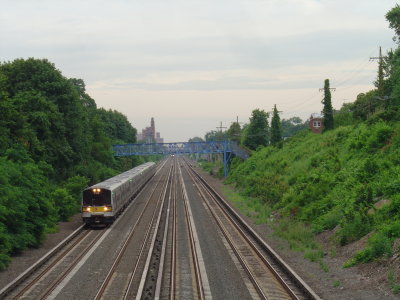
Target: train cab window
x,y
94,197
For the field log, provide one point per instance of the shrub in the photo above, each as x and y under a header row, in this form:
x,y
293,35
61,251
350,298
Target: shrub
x,y
353,226
379,244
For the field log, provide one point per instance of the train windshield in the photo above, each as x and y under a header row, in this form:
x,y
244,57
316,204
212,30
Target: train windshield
x,y
96,197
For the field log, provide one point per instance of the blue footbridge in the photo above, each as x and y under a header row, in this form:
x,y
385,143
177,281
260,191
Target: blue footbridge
x,y
226,148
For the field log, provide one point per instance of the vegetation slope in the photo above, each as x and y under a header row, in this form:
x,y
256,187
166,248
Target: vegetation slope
x,y
346,179
54,141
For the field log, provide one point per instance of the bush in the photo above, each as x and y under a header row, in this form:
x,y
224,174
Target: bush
x,y
354,226
379,244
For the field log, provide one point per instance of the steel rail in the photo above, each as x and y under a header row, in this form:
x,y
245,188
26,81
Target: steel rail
x,y
22,277
165,237
54,284
50,266
199,280
249,242
174,242
119,256
299,282
231,243
139,293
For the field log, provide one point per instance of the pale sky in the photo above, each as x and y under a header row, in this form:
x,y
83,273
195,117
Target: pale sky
x,y
193,64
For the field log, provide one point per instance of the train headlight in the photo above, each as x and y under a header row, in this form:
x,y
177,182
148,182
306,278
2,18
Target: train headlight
x,y
107,208
86,209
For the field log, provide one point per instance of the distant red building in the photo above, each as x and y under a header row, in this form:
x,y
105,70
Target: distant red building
x,y
315,123
149,134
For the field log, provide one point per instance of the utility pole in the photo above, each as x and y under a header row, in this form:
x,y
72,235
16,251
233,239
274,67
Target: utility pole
x,y
220,127
327,111
322,89
237,121
271,112
379,82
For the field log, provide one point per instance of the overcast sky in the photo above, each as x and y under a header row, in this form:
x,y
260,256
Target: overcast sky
x,y
193,64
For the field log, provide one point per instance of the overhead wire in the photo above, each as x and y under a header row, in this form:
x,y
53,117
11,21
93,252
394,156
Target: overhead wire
x,y
342,83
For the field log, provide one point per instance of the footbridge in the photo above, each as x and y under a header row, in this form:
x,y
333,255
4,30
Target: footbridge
x,y
226,148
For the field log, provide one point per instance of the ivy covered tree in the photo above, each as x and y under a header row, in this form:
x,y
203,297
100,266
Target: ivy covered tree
x,y
257,131
327,111
276,129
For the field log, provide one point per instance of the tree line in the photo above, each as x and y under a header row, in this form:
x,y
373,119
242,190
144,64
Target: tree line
x,y
54,141
257,132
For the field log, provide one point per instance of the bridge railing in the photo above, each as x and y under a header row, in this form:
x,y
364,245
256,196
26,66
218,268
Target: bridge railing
x,y
224,147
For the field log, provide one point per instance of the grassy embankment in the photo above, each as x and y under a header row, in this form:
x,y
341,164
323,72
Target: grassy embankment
x,y
322,182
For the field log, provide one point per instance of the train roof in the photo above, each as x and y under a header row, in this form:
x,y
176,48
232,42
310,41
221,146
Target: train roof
x,y
114,182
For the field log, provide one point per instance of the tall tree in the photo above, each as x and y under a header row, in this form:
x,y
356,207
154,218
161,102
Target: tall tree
x,y
276,129
393,16
327,110
234,132
214,136
258,130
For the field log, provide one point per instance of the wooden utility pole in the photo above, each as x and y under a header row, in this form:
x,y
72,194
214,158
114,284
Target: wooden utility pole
x,y
322,89
220,127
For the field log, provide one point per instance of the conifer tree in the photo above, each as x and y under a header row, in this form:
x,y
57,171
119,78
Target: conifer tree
x,y
276,129
327,110
258,130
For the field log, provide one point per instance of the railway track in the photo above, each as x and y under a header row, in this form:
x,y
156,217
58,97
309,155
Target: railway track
x,y
156,251
159,281
44,277
130,261
275,279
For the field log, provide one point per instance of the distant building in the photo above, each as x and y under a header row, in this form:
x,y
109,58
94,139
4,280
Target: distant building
x,y
315,123
149,134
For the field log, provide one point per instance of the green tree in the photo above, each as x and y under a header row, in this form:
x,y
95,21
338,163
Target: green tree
x,y
292,126
257,131
276,129
117,126
234,132
213,136
327,110
393,16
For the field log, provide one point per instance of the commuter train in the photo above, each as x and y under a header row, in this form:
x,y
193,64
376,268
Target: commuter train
x,y
104,201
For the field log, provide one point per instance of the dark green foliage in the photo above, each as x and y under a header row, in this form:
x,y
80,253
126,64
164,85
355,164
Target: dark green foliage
x,y
53,143
276,129
215,136
393,16
117,126
257,132
341,179
234,132
327,111
379,244
25,205
292,126
330,180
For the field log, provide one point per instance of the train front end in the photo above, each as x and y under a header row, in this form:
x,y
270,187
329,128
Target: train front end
x,y
97,206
